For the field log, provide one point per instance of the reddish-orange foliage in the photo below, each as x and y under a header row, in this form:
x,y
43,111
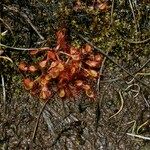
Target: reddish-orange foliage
x,y
64,70
102,6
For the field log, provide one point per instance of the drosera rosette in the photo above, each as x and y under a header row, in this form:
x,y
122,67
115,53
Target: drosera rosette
x,y
65,67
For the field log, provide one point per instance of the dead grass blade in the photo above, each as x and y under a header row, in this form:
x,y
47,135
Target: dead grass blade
x,y
4,92
139,136
6,58
122,102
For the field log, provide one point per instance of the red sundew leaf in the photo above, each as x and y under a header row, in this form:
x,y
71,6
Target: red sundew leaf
x,y
87,49
54,73
89,93
60,67
65,76
60,34
61,40
91,57
44,88
73,90
23,66
76,57
92,63
32,69
86,87
83,51
85,73
62,93
76,64
79,83
55,69
51,55
35,89
53,64
92,73
43,80
48,77
73,50
57,65
98,58
28,84
42,64
72,70
45,93
69,91
103,6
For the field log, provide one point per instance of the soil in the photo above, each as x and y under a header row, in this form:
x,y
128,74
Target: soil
x,y
122,31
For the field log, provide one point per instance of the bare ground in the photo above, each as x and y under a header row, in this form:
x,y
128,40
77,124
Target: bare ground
x,y
123,103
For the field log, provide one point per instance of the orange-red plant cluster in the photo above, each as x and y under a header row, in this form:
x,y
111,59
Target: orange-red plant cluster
x,y
64,69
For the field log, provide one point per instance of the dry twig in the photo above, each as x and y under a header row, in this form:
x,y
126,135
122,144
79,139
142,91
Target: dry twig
x,y
4,92
112,10
37,122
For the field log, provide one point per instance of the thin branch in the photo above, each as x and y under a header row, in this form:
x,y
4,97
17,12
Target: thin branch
x,y
98,49
37,122
139,136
